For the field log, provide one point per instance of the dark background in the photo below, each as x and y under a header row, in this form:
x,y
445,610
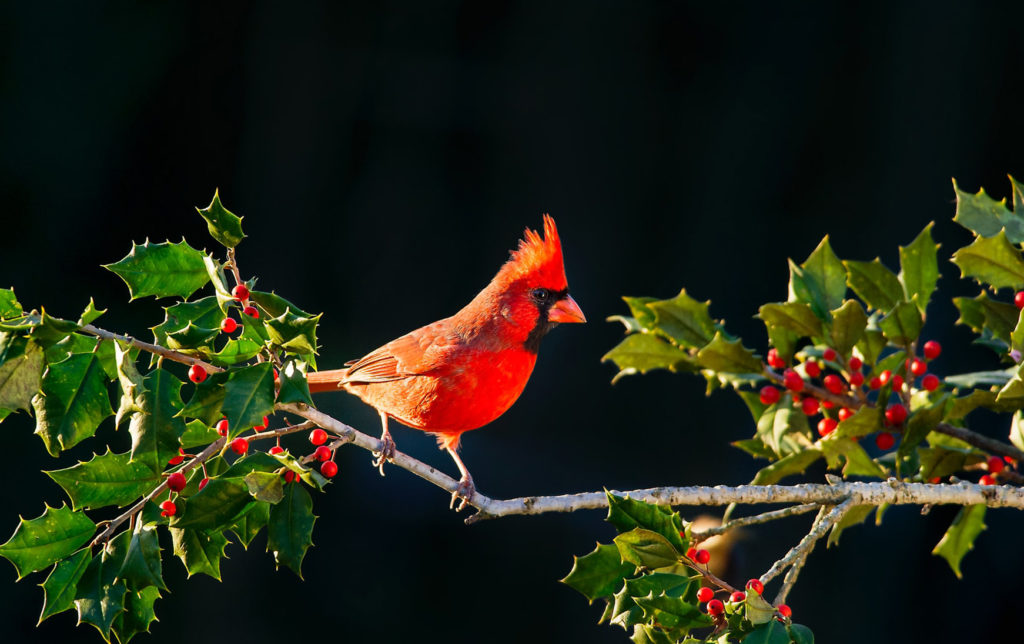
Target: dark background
x,y
386,158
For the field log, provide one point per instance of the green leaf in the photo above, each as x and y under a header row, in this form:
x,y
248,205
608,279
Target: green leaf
x,y
941,461
598,574
874,283
960,536
200,551
39,542
138,613
224,225
60,586
771,632
903,324
191,337
163,270
20,375
779,422
919,268
755,447
993,261
983,312
801,634
642,314
265,486
643,352
757,610
871,345
275,305
215,506
683,319
848,325
795,463
854,516
979,379
290,528
672,612
856,461
728,356
78,343
155,430
90,314
204,313
51,330
646,548
1017,430
248,396
141,565
100,595
820,281
236,351
294,386
208,399
110,479
986,216
215,271
198,433
920,424
293,333
625,514
73,402
794,316
247,527
864,421
9,305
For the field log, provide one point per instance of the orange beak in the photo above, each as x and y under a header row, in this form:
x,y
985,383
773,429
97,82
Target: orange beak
x,y
566,310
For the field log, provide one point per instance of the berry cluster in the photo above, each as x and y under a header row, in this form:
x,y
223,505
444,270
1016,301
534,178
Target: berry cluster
x,y
698,559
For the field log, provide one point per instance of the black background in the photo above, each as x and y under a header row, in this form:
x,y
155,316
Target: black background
x,y
386,158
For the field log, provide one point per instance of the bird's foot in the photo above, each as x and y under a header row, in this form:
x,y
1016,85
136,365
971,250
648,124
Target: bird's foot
x,y
464,492
386,453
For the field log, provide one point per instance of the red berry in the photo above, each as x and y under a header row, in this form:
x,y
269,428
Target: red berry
x,y
897,382
774,361
289,476
987,480
222,427
785,610
827,404
845,413
702,556
855,363
809,406
935,479
241,292
875,383
251,311
240,446
932,350
931,382
885,377
176,481
1018,299
691,553
203,483
895,414
826,426
705,594
918,367
196,373
716,607
834,383
260,428
769,395
885,441
738,596
322,453
276,449
228,325
995,464
756,586
318,436
792,380
329,469
829,355
856,379
176,460
167,508
813,369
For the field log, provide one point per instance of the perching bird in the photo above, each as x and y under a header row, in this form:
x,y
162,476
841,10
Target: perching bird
x,y
462,372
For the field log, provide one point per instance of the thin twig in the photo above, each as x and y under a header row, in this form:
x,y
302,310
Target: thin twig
x,y
790,578
822,524
765,517
152,348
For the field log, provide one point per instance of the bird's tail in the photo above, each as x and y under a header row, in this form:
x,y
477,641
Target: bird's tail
x,y
330,380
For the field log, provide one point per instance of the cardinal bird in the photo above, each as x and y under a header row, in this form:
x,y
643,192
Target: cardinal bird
x,y
462,372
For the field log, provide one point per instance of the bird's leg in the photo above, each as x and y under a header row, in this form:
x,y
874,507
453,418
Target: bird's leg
x,y
387,451
466,488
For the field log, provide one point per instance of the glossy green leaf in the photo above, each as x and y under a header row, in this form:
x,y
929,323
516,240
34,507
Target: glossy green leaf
x,y
672,612
250,524
191,337
755,447
109,479
207,401
294,388
156,429
795,463
293,333
770,632
138,614
820,281
644,352
248,396
219,281
90,314
848,325
854,516
199,550
779,422
993,261
960,536
643,316
903,324
39,542
982,312
855,461
920,424
728,356
919,268
236,351
198,433
793,316
73,402
864,421
141,565
204,313
874,283
78,343
941,461
20,375
100,593
871,345
50,330
164,270
290,528
801,634
683,319
9,305
625,514
985,216
215,506
598,574
265,486
646,548
275,305
62,583
224,225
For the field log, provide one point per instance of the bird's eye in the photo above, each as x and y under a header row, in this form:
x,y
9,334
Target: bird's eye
x,y
540,294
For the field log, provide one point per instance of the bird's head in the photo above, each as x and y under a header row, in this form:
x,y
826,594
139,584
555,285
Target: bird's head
x,y
531,287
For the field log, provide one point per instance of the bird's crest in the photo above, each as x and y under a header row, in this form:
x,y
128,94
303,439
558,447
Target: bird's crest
x,y
537,257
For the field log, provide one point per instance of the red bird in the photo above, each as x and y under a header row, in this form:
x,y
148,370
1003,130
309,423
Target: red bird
x,y
462,372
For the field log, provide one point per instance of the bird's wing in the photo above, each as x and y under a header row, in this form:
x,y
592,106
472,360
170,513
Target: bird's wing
x,y
414,354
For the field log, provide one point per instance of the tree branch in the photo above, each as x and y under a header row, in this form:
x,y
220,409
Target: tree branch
x,y
152,348
764,517
822,523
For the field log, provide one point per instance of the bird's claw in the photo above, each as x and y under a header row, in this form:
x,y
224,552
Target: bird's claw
x,y
464,492
386,453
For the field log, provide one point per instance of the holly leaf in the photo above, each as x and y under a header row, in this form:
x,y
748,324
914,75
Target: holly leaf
x,y
155,430
290,528
644,352
672,612
920,424
265,486
138,613
779,422
919,268
250,524
598,574
236,351
903,324
646,549
993,261
162,270
874,283
141,565
801,634
9,305
275,305
848,325
100,593
39,542
224,225
941,461
294,386
794,316
191,337
198,433
820,281
72,403
795,463
682,319
62,583
199,550
215,506
959,538
982,312
864,421
90,314
854,516
248,396
78,343
985,216
110,479
625,514
871,345
294,333
728,356
204,313
21,374
208,399
855,460
50,330
770,632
